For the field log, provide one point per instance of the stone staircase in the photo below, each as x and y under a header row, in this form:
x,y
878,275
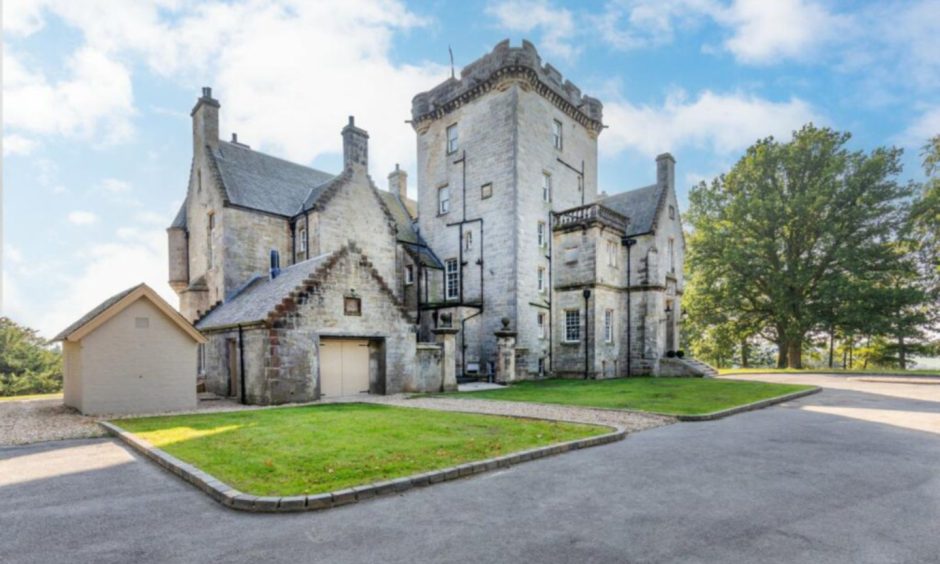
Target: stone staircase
x,y
688,367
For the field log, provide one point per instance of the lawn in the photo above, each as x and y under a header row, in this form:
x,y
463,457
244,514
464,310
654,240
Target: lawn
x,y
674,396
314,449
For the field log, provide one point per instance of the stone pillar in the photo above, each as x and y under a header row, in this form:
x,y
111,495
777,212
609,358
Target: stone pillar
x,y
447,337
505,354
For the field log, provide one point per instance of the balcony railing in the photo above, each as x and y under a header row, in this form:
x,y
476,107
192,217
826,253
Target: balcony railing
x,y
589,213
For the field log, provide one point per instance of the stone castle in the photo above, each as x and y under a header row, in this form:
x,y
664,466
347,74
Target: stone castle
x,y
509,265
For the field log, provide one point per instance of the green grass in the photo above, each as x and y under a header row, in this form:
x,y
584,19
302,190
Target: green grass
x,y
870,371
313,449
53,395
673,396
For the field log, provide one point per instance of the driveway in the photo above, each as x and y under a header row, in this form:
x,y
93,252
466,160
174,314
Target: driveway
x,y
841,476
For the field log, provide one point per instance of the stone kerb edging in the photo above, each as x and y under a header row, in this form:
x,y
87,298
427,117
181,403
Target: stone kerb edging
x,y
235,499
748,407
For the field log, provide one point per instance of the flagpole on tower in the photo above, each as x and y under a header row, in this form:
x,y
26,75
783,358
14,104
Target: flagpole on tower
x,y
451,51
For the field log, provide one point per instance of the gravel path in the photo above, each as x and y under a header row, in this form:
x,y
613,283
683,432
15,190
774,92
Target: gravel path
x,y
629,421
30,421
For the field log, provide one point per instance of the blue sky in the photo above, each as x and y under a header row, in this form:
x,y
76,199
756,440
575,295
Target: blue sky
x,y
96,100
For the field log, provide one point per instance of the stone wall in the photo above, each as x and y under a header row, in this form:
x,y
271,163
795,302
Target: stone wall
x,y
249,237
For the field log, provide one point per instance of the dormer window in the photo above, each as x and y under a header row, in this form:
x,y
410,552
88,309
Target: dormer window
x,y
556,134
452,139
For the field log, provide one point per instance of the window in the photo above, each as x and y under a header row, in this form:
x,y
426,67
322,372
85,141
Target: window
x,y
451,279
609,326
468,240
452,139
672,256
210,225
352,305
572,325
612,251
672,212
541,279
546,187
486,190
443,200
540,321
541,234
142,322
409,274
199,181
556,134
302,240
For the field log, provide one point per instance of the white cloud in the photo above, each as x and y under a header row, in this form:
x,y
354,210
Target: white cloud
x,y
767,32
634,24
137,256
287,72
94,101
80,217
722,123
115,186
557,25
925,127
14,144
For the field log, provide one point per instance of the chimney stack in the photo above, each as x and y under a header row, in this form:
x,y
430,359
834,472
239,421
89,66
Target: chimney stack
x,y
205,116
666,171
398,183
355,146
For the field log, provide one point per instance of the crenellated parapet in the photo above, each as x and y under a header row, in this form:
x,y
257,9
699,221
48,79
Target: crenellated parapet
x,y
503,62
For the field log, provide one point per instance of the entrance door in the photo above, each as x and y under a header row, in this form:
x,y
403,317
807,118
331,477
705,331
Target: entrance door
x,y
344,367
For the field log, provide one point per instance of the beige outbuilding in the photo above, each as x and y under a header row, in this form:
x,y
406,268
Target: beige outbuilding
x,y
133,353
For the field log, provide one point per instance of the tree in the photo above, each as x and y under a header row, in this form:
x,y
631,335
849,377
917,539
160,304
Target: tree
x,y
784,235
28,364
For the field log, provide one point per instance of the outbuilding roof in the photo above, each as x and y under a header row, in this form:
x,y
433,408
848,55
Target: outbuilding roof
x,y
115,305
641,205
260,296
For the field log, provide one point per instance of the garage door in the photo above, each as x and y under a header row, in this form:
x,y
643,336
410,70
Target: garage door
x,y
344,367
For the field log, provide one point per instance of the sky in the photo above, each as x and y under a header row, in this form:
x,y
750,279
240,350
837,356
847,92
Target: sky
x,y
96,98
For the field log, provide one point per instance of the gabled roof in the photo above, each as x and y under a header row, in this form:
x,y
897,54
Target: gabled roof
x,y
642,206
179,222
260,297
118,303
258,181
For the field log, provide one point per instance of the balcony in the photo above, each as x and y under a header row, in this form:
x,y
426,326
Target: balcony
x,y
587,215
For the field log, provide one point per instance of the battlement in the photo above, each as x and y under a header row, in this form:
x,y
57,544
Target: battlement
x,y
479,76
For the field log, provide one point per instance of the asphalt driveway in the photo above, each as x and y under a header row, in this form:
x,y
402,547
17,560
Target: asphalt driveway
x,y
848,475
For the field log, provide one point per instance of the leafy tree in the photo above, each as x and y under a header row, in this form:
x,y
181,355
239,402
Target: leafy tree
x,y
785,235
28,364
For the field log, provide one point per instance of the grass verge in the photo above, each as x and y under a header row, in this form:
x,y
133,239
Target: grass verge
x,y
866,372
54,395
672,396
314,449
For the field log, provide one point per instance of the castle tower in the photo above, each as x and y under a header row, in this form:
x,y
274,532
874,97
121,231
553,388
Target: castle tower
x,y
500,149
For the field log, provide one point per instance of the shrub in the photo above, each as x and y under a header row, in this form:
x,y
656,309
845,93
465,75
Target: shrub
x,y
671,354
680,354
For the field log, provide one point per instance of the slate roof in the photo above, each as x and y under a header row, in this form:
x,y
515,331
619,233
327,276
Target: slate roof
x,y
258,181
95,312
179,222
403,219
260,296
640,205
